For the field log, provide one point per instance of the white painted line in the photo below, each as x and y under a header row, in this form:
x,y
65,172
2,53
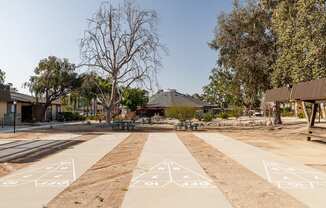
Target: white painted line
x,y
73,170
174,178
267,172
45,183
292,177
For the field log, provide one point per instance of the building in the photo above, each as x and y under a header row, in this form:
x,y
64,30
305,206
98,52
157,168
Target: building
x,y
27,108
164,99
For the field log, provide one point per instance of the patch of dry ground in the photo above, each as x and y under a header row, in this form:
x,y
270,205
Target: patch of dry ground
x,y
288,142
243,188
105,184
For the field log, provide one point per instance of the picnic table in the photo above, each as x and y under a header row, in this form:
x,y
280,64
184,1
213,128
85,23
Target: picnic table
x,y
188,125
123,125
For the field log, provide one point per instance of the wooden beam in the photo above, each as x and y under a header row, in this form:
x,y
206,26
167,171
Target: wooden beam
x,y
313,115
304,106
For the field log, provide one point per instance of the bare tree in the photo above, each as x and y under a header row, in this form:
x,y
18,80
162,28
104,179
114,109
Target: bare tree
x,y
122,44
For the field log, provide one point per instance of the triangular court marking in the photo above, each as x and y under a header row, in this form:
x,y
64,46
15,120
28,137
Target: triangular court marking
x,y
52,175
169,172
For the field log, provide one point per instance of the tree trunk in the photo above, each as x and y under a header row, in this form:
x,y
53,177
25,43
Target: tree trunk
x,y
111,105
296,108
277,114
43,112
109,114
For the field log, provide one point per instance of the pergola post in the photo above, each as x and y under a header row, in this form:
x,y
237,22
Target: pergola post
x,y
313,115
306,112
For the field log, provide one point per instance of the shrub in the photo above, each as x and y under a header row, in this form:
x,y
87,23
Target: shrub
x,y
70,116
287,114
223,115
181,113
94,117
199,115
301,115
236,112
208,117
287,109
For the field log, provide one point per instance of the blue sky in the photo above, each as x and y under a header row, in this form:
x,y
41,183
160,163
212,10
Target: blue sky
x,y
34,29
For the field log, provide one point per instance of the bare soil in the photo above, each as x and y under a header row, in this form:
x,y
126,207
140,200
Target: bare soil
x,y
105,184
243,188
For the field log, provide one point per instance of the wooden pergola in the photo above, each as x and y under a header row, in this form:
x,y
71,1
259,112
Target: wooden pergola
x,y
313,92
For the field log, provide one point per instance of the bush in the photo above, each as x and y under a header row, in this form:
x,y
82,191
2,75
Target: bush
x,y
287,109
208,117
199,115
180,113
287,114
70,116
95,117
236,112
301,115
223,115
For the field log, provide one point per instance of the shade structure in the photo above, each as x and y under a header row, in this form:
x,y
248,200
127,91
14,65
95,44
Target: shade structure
x,y
278,95
314,90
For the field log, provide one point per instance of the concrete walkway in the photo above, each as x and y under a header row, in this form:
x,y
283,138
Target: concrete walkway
x,y
36,185
306,184
168,176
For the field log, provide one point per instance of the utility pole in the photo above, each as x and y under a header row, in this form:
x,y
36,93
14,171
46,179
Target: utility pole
x,y
15,109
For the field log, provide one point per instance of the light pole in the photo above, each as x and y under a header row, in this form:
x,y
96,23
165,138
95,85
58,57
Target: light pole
x,y
15,109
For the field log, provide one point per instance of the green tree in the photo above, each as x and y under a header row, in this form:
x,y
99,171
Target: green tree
x,y
301,29
246,49
134,97
2,77
90,87
53,79
222,89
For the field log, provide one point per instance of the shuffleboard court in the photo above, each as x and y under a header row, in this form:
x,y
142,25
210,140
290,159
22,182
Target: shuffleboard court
x,y
5,142
37,184
168,176
17,149
306,184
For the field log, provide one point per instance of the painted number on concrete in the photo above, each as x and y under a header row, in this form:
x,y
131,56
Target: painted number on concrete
x,y
171,173
286,177
53,175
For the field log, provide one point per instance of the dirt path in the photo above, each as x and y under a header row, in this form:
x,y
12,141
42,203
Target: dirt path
x,y
243,188
105,184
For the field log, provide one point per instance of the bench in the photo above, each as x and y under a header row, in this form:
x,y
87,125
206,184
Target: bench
x,y
187,126
123,125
